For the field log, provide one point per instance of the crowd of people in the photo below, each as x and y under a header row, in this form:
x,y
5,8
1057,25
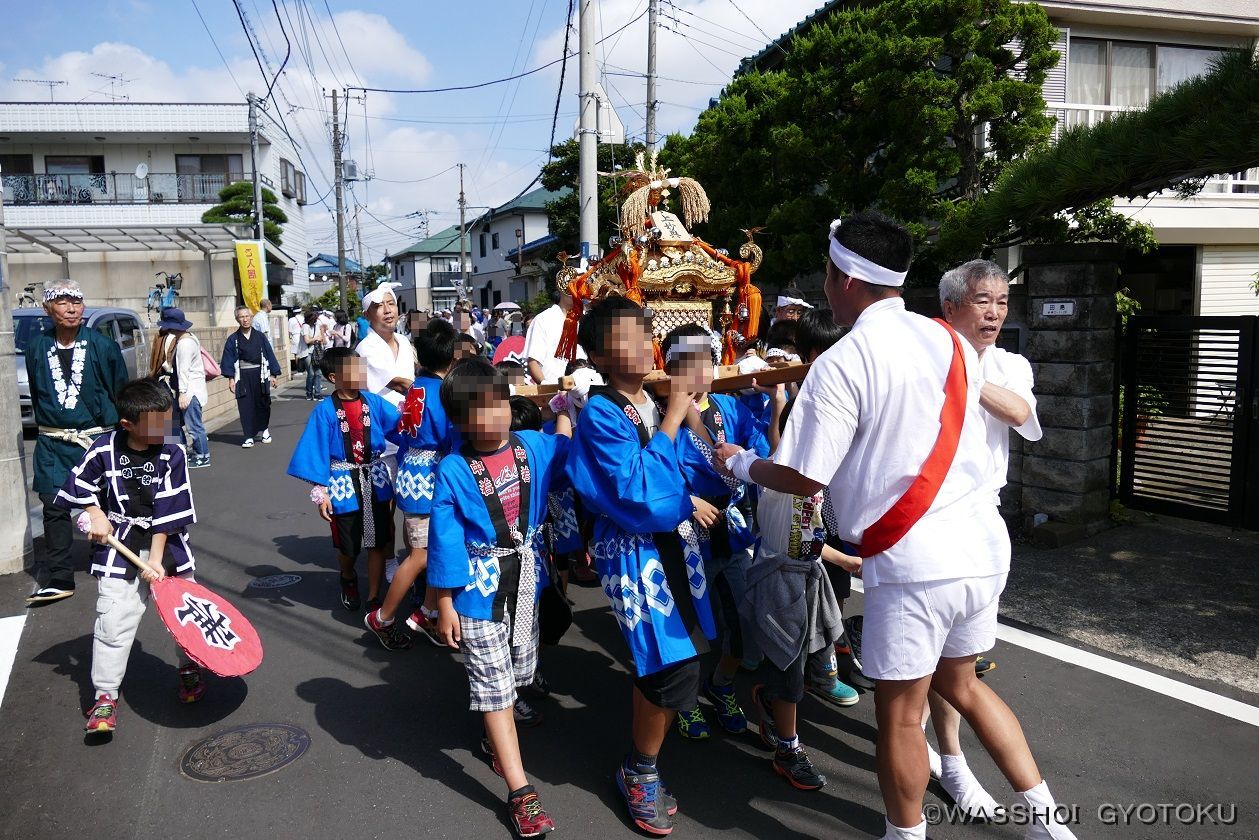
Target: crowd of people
x,y
725,530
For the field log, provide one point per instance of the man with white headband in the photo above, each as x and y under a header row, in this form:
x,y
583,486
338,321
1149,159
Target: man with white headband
x,y
790,305
889,418
74,373
390,360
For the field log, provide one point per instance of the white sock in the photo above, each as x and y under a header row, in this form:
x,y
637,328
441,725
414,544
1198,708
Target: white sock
x,y
960,783
1044,823
918,832
933,757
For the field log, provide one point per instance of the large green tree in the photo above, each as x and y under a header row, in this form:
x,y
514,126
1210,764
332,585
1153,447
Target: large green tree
x,y
236,207
910,106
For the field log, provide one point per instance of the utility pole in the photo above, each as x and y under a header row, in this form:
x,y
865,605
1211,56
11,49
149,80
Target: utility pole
x,y
651,76
588,135
15,533
336,179
463,238
253,164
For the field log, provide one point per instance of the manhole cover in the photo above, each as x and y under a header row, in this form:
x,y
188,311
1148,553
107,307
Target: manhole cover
x,y
285,514
245,752
274,581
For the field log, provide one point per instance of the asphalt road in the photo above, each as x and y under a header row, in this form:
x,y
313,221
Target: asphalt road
x,y
394,752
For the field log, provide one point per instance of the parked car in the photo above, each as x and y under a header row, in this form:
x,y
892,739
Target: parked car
x,y
121,325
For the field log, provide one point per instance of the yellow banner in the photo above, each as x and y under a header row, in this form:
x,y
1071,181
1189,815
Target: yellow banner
x,y
252,271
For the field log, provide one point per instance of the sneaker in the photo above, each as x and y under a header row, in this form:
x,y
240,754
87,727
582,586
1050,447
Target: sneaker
x,y
693,725
389,635
795,767
852,632
729,713
349,594
248,444
197,462
489,753
525,714
857,679
191,688
769,733
528,816
642,797
426,627
666,799
838,694
103,716
983,665
539,687
54,591
583,575
266,436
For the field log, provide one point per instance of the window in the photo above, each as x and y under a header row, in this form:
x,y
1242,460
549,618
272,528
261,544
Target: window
x,y
200,177
74,164
481,239
301,187
127,328
1128,73
494,243
105,326
17,164
402,269
288,178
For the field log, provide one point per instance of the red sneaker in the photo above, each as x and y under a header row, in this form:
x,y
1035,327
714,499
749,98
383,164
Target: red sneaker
x,y
528,816
191,688
423,625
103,716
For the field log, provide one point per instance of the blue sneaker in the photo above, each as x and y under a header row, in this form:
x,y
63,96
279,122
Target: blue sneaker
x,y
693,725
642,797
839,694
729,714
769,733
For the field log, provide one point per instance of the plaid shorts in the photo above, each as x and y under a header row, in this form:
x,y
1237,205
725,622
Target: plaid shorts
x,y
495,666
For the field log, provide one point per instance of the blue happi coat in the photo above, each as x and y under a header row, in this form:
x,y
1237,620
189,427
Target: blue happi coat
x,y
637,496
462,542
419,452
695,458
99,480
320,456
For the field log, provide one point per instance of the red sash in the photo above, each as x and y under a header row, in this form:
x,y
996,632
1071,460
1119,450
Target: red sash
x,y
888,530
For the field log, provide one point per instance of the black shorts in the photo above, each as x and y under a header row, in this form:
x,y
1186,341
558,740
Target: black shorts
x,y
347,530
784,684
675,687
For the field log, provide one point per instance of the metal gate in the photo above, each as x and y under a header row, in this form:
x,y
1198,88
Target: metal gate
x,y
1189,410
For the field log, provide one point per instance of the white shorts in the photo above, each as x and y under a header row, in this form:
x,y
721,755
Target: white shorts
x,y
908,627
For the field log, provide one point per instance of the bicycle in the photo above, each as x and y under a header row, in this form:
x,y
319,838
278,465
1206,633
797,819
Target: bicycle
x,y
164,294
28,298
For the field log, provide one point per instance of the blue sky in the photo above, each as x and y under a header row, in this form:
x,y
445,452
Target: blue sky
x,y
500,132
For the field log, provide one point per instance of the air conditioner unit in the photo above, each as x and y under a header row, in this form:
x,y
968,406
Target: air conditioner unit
x,y
349,170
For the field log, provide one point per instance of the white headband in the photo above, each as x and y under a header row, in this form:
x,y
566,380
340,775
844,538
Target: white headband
x,y
377,295
783,300
857,266
61,291
688,344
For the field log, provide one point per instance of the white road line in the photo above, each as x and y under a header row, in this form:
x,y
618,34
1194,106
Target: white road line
x,y
1168,687
10,633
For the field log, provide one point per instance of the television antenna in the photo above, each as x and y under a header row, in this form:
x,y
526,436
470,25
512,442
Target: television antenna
x,y
52,83
115,80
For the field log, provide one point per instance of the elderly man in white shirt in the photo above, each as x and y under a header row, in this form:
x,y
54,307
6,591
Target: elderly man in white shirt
x,y
390,357
890,420
544,336
975,299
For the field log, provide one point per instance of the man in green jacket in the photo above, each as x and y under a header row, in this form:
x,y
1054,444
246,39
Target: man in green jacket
x,y
74,373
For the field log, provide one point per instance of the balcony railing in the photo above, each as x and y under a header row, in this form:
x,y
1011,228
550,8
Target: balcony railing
x,y
115,188
444,279
1071,114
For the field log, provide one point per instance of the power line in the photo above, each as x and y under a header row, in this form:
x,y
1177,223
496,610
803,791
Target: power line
x,y
537,69
288,51
768,37
216,48
337,32
419,180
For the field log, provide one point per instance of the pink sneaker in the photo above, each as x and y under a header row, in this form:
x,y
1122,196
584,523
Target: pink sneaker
x,y
103,716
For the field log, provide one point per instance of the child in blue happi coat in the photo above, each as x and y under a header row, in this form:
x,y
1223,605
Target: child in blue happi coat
x,y
489,505
624,467
340,454
424,437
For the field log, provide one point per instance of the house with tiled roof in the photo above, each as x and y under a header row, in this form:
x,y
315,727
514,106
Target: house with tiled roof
x,y
502,241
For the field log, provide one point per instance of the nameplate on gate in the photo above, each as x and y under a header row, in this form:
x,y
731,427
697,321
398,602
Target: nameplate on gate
x,y
1057,307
